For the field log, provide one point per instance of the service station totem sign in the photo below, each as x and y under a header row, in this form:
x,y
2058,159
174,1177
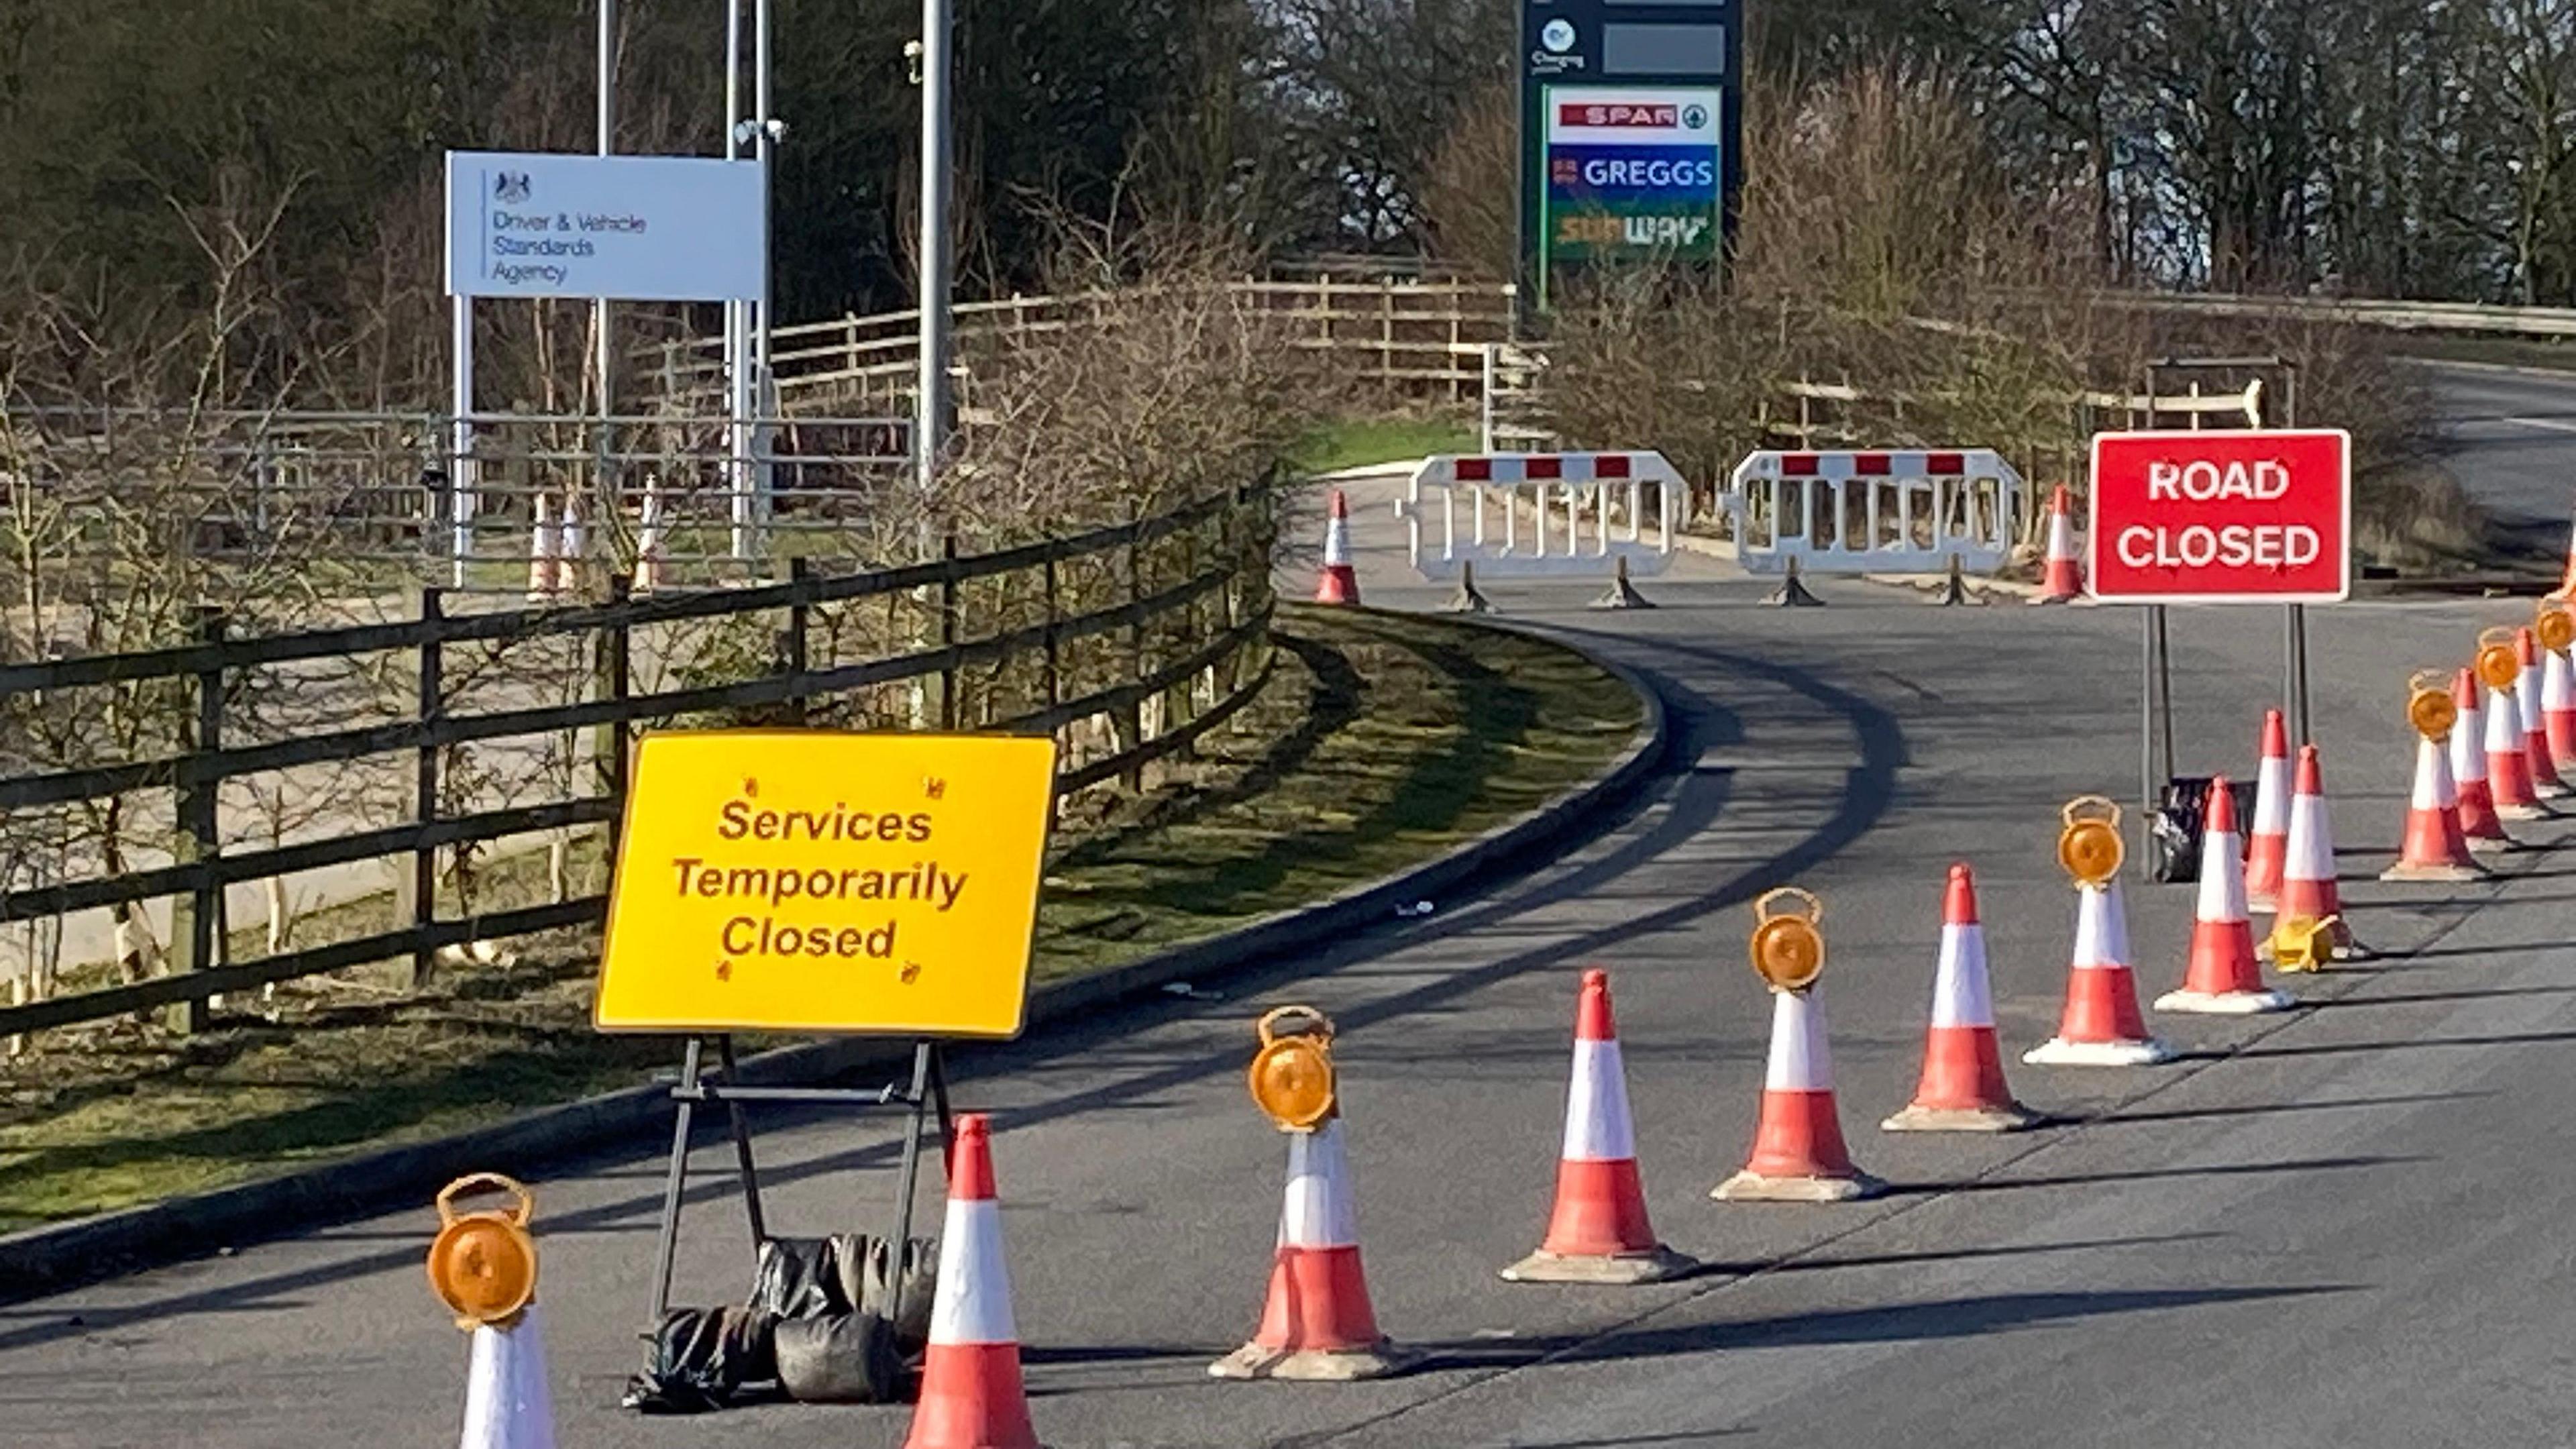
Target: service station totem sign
x,y
814,881
1629,134
2222,517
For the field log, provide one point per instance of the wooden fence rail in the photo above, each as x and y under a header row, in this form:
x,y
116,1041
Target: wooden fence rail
x,y
1149,633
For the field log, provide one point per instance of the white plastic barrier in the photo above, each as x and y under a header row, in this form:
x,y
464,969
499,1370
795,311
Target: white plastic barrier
x,y
1876,510
1555,515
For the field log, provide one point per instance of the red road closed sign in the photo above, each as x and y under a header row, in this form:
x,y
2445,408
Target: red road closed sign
x,y
2222,517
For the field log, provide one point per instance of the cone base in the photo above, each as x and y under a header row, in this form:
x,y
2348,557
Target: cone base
x,y
1319,1365
2262,900
2057,1051
1750,1186
2549,789
2010,1117
1656,1266
2522,812
2226,1003
2453,874
2492,844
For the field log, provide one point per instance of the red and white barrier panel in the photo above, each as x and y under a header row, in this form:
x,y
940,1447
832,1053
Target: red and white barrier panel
x,y
1557,515
1876,510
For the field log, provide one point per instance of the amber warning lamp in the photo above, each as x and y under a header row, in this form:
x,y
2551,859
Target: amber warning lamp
x,y
2090,847
2555,626
2303,943
1292,1073
1788,950
2429,706
484,1264
2497,663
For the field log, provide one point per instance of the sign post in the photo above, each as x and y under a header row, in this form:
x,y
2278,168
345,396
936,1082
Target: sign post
x,y
2233,517
826,883
1631,120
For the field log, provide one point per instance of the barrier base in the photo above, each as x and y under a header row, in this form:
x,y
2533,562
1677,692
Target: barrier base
x,y
1792,594
2012,1118
2059,1052
2450,874
1610,1268
2226,1003
1469,599
1751,1186
1324,1365
1954,592
1622,595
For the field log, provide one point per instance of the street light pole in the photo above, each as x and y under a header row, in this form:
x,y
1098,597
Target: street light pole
x,y
599,320
931,407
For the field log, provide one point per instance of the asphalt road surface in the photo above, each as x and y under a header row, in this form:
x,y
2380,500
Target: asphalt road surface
x,y
2343,1225
2509,436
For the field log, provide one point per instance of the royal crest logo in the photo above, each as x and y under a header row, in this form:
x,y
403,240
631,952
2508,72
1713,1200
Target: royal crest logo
x,y
513,188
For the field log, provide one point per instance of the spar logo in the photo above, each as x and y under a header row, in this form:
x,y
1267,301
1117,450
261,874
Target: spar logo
x,y
1620,115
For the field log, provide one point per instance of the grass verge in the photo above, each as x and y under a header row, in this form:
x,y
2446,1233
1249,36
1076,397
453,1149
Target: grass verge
x,y
1358,442
1380,743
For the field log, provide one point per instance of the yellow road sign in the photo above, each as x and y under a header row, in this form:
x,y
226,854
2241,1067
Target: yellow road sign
x,y
804,880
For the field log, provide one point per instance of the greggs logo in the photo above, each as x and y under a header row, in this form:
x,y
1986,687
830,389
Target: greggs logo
x,y
1616,113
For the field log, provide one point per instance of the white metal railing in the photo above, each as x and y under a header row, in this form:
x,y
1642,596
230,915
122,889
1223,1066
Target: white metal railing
x,y
1556,515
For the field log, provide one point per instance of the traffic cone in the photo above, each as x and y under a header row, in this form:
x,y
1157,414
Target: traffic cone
x,y
2435,848
2223,978
2478,818
971,1395
649,544
2535,719
544,574
2558,707
2102,1026
507,1404
1798,1151
2064,580
1317,1322
1962,1087
2270,843
2308,888
1339,583
1597,1232
2509,759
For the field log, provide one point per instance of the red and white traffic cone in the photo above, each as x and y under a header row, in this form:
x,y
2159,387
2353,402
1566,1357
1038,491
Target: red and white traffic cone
x,y
971,1394
545,576
2478,818
2558,707
649,543
1339,583
2308,887
2064,580
1798,1150
507,1402
1962,1087
2509,759
2435,849
2270,843
1597,1232
2102,1026
1317,1322
2223,978
2545,782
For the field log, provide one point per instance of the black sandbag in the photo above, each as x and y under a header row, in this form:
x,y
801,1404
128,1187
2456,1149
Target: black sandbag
x,y
843,1358
703,1358
904,1298
802,1278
